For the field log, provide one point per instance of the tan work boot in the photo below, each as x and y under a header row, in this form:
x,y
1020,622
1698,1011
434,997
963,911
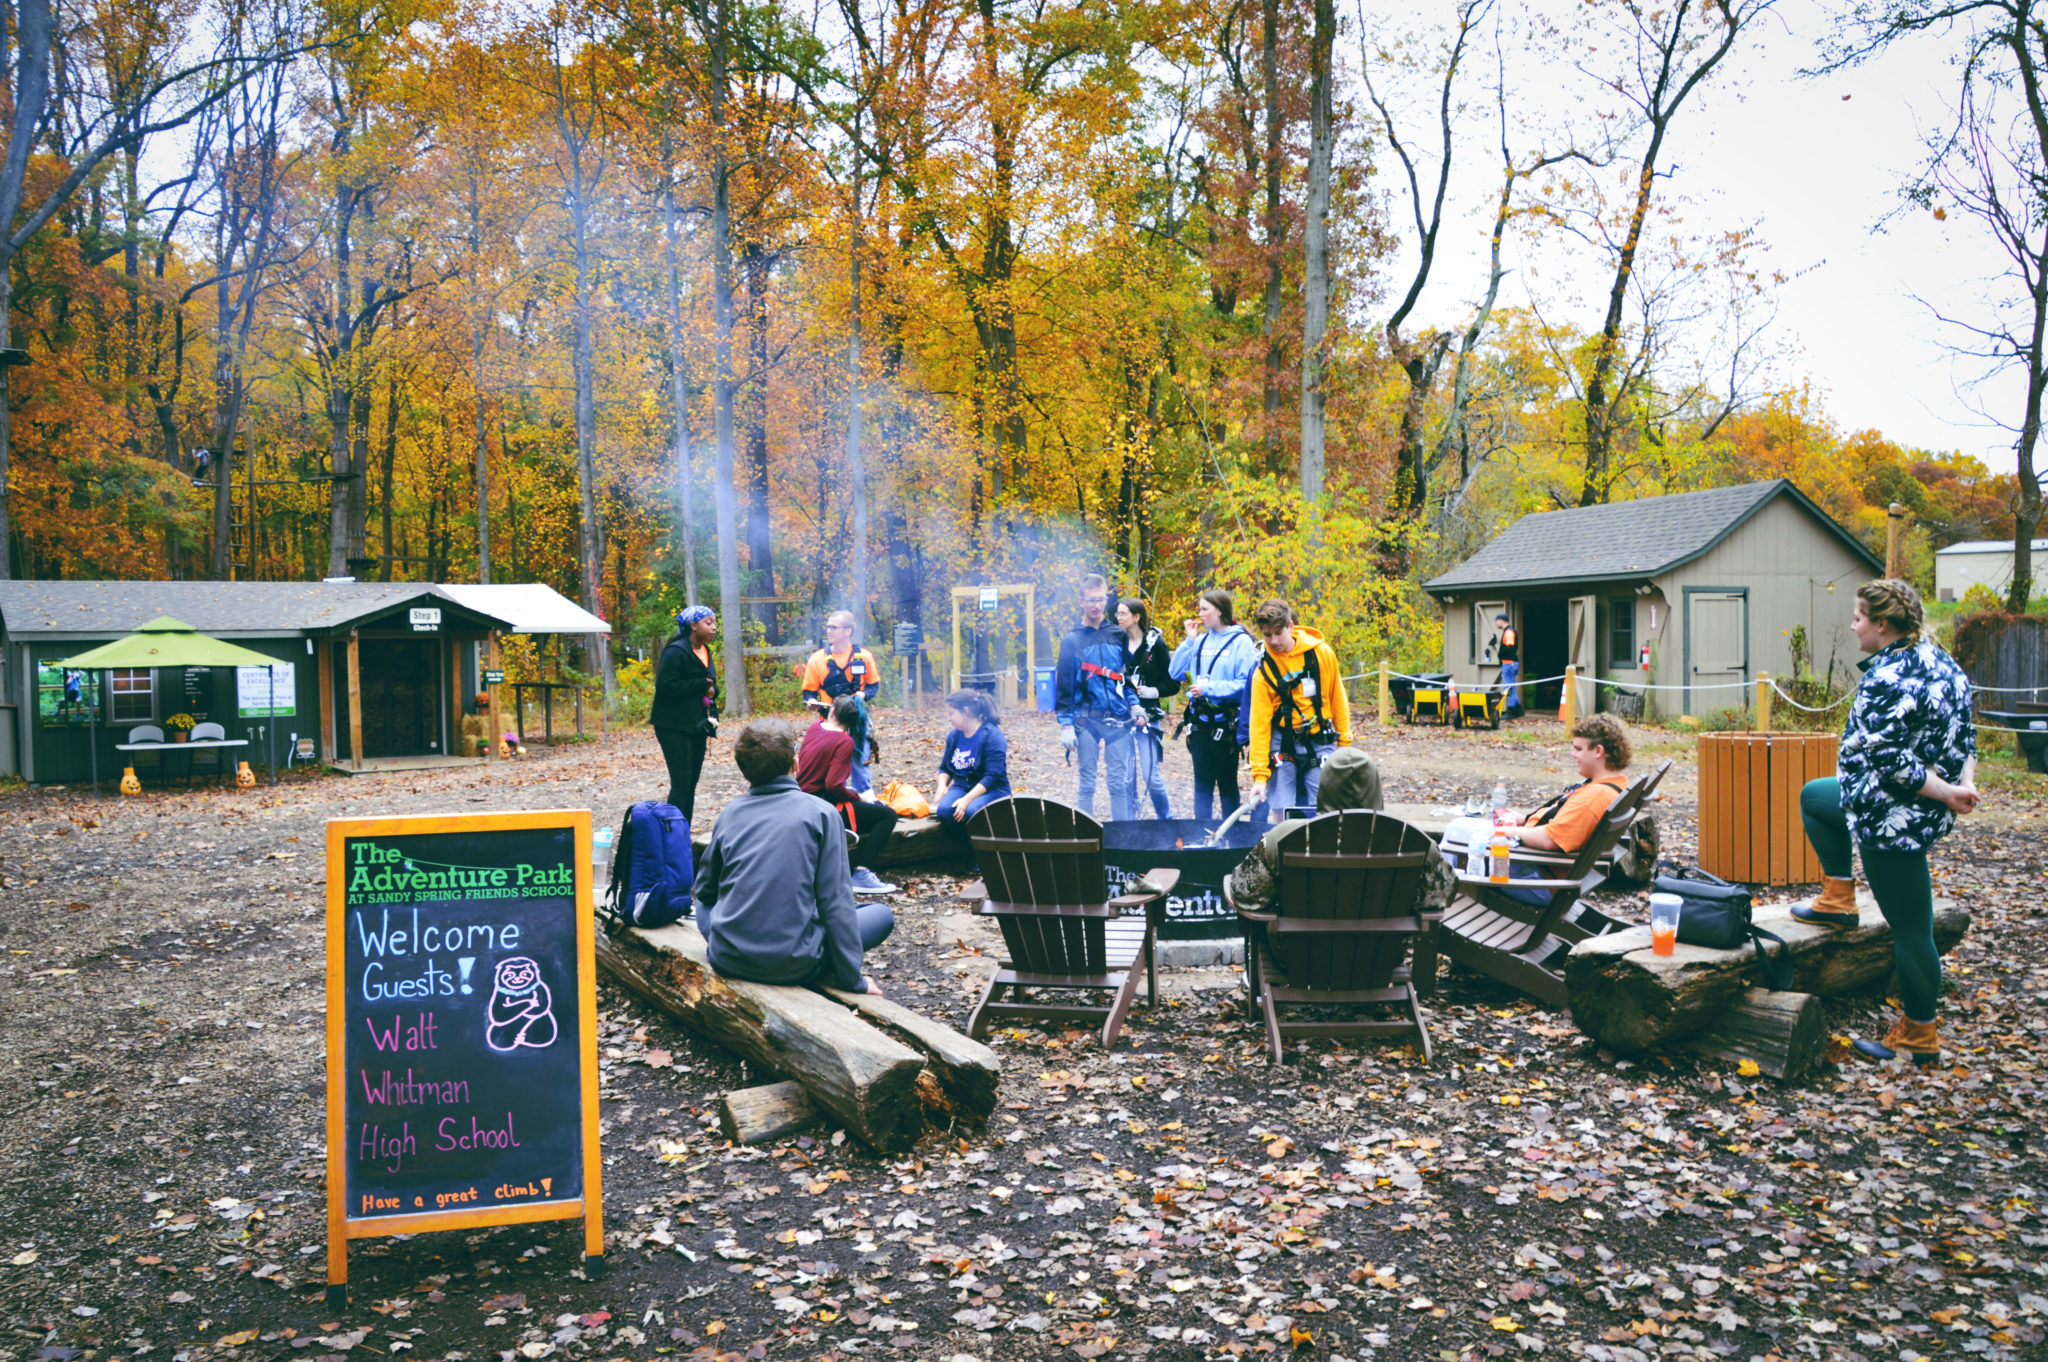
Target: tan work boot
x,y
1917,1039
1836,906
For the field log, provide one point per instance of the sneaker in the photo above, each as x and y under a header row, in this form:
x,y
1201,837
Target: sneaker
x,y
866,881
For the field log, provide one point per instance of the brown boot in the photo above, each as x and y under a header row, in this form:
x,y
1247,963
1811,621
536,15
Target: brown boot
x,y
1836,906
1917,1039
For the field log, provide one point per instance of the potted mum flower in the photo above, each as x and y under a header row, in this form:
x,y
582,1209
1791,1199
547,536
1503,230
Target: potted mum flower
x,y
181,726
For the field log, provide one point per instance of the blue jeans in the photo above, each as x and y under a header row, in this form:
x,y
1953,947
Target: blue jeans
x,y
1147,748
944,810
1510,677
1284,790
876,922
1115,741
1535,898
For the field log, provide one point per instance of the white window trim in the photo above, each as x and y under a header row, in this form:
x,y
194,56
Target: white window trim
x,y
115,696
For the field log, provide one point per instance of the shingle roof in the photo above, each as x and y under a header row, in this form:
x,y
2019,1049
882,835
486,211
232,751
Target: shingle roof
x,y
223,609
1624,540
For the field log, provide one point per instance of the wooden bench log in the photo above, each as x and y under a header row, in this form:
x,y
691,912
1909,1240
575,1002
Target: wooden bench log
x,y
965,1070
1783,1034
1629,998
757,1115
862,1077
915,842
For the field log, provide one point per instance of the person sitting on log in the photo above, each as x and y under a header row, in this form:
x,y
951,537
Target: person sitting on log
x,y
1601,752
824,767
1350,781
974,768
774,896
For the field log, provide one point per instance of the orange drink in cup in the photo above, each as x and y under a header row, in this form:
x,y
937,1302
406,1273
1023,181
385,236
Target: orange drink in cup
x,y
1664,922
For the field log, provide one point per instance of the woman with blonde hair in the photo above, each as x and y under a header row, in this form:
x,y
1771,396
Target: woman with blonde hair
x,y
1908,766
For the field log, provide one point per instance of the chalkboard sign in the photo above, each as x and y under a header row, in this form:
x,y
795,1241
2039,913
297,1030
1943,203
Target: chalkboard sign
x,y
461,1027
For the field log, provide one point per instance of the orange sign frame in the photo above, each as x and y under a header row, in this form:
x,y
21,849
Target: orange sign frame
x,y
590,1206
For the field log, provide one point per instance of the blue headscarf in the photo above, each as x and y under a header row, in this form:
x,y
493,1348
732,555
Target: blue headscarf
x,y
686,618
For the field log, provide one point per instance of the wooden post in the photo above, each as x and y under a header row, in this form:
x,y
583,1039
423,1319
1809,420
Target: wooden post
x,y
453,745
1386,695
1568,712
491,730
1763,702
355,701
325,669
1894,514
1030,697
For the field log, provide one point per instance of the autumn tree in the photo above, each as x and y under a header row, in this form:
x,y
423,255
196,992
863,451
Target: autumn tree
x,y
1661,58
1990,164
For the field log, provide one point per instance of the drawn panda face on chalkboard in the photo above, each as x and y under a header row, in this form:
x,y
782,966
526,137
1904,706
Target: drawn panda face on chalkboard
x,y
517,975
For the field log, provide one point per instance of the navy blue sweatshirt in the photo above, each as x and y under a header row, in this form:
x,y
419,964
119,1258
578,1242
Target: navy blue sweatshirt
x,y
983,759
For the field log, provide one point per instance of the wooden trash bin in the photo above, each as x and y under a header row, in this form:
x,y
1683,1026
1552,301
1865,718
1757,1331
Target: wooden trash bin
x,y
1750,831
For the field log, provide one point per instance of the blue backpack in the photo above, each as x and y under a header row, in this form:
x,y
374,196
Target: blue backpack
x,y
651,866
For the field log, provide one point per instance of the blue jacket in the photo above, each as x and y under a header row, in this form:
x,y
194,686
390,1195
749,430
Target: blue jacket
x,y
983,759
1082,691
1223,662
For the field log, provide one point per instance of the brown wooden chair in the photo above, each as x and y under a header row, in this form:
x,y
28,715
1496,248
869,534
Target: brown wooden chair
x,y
1614,861
1344,918
1523,945
1048,890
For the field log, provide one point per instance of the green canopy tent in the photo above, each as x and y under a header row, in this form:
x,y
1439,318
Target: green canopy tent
x,y
165,642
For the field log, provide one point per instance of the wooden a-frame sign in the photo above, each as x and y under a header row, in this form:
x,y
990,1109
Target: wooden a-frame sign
x,y
461,1028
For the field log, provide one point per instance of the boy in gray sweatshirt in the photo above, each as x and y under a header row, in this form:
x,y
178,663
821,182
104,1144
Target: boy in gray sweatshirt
x,y
774,894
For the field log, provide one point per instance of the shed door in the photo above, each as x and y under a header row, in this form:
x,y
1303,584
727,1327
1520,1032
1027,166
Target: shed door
x,y
1716,647
1585,615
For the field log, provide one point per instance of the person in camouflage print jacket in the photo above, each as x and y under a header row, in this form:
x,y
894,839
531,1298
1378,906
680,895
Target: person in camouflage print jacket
x,y
1907,767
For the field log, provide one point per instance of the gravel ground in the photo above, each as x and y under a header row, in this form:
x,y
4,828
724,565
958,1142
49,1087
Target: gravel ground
x,y
161,1065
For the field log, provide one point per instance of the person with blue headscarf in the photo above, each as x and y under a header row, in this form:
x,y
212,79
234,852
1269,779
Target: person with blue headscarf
x,y
685,710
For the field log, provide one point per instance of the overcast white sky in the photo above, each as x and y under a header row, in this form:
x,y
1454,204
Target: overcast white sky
x,y
1815,173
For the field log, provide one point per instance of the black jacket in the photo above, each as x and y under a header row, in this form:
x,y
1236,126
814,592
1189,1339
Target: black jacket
x,y
1146,665
682,684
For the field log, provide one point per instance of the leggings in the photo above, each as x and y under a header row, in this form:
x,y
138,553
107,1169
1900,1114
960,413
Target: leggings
x,y
874,823
1215,771
683,752
1899,879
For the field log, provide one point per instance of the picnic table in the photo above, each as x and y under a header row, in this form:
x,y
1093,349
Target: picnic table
x,y
187,747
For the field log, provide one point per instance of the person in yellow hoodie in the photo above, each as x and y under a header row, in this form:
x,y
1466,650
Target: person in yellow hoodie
x,y
1299,713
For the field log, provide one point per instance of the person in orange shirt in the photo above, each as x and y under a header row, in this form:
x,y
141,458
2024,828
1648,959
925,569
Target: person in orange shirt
x,y
1601,752
839,669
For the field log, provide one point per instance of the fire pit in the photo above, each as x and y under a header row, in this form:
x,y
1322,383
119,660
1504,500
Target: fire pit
x,y
1195,911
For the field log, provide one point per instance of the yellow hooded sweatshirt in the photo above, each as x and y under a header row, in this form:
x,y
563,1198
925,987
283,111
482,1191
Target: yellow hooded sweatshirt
x,y
1336,708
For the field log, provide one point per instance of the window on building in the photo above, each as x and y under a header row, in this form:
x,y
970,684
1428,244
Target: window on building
x,y
1621,632
132,694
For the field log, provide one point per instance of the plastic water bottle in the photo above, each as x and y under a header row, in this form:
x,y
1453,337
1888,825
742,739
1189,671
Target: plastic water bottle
x,y
1500,802
601,850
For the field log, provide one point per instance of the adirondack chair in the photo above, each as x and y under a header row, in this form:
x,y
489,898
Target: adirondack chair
x,y
1523,945
1041,863
1343,921
1605,867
